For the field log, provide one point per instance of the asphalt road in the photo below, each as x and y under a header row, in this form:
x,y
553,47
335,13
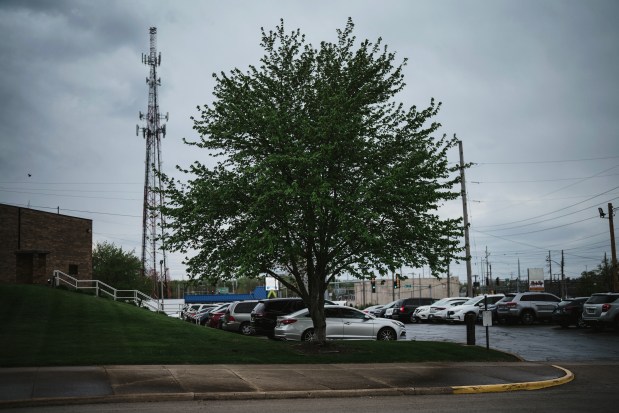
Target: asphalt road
x,y
540,342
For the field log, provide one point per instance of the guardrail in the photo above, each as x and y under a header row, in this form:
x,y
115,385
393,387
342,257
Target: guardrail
x,y
102,289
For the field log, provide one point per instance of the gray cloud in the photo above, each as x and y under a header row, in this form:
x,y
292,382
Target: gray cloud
x,y
530,87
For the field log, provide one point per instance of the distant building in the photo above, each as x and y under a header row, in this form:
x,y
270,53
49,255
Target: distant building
x,y
35,243
409,288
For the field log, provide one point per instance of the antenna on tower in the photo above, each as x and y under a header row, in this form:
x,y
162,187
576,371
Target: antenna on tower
x,y
154,263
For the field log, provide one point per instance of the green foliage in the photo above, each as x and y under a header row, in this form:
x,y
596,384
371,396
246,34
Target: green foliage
x,y
320,171
119,269
596,281
43,326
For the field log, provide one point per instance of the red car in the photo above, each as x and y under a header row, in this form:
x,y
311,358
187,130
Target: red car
x,y
215,318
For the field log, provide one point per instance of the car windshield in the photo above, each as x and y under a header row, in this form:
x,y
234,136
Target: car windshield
x,y
471,301
602,299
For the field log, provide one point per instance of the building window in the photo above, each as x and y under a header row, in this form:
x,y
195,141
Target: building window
x,y
72,269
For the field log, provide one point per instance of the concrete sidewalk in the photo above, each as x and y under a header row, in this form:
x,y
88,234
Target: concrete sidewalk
x,y
107,384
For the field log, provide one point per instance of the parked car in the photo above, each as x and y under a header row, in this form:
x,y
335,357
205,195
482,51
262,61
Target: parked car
x,y
438,314
342,323
492,309
602,310
214,316
202,316
404,308
456,314
569,312
237,317
382,311
528,307
422,313
264,315
373,310
190,310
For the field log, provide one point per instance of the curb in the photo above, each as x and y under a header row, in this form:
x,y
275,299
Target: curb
x,y
295,394
531,385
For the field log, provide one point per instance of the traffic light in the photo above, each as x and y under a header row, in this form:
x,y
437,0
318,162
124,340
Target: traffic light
x,y
396,284
373,283
498,281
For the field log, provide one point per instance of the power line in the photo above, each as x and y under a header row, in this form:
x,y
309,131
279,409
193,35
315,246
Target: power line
x,y
545,161
549,219
77,210
68,183
542,180
69,196
552,212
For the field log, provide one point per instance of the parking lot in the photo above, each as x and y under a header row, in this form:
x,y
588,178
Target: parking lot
x,y
539,342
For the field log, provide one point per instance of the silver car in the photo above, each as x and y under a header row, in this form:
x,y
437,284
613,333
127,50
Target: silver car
x,y
527,307
342,323
238,317
601,310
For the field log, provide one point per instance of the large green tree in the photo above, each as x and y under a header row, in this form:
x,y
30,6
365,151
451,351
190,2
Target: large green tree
x,y
118,268
320,172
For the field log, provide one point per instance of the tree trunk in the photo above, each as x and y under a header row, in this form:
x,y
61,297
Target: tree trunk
x,y
320,326
317,288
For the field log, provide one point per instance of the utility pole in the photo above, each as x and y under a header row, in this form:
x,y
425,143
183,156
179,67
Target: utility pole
x,y
153,251
613,249
550,266
518,283
563,287
467,245
448,280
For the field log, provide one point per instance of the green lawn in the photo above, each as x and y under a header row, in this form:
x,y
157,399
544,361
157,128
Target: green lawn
x,y
42,326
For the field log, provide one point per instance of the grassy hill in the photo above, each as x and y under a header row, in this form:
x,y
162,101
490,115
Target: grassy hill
x,y
42,326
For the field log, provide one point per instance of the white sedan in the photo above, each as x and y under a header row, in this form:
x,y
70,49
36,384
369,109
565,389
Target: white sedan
x,y
342,323
472,306
422,313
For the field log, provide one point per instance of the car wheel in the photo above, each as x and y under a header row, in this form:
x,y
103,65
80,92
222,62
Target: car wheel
x,y
246,329
527,318
386,334
413,319
308,335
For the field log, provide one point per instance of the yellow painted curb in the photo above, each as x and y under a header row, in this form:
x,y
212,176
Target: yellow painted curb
x,y
532,385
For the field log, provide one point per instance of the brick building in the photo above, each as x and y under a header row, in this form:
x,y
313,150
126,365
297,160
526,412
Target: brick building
x,y
35,243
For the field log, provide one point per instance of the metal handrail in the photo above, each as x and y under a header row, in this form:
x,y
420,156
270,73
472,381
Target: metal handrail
x,y
103,289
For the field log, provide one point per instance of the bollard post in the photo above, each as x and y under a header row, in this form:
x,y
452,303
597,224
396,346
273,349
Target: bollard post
x,y
469,319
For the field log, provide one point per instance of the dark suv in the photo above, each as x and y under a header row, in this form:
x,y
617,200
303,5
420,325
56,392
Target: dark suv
x,y
404,308
265,313
527,307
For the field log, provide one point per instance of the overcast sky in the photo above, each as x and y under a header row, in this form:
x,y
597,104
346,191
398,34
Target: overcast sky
x,y
530,87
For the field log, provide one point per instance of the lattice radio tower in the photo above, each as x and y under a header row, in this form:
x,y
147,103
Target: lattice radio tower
x,y
154,264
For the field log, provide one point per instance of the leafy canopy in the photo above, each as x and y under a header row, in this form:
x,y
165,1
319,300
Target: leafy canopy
x,y
118,268
319,170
